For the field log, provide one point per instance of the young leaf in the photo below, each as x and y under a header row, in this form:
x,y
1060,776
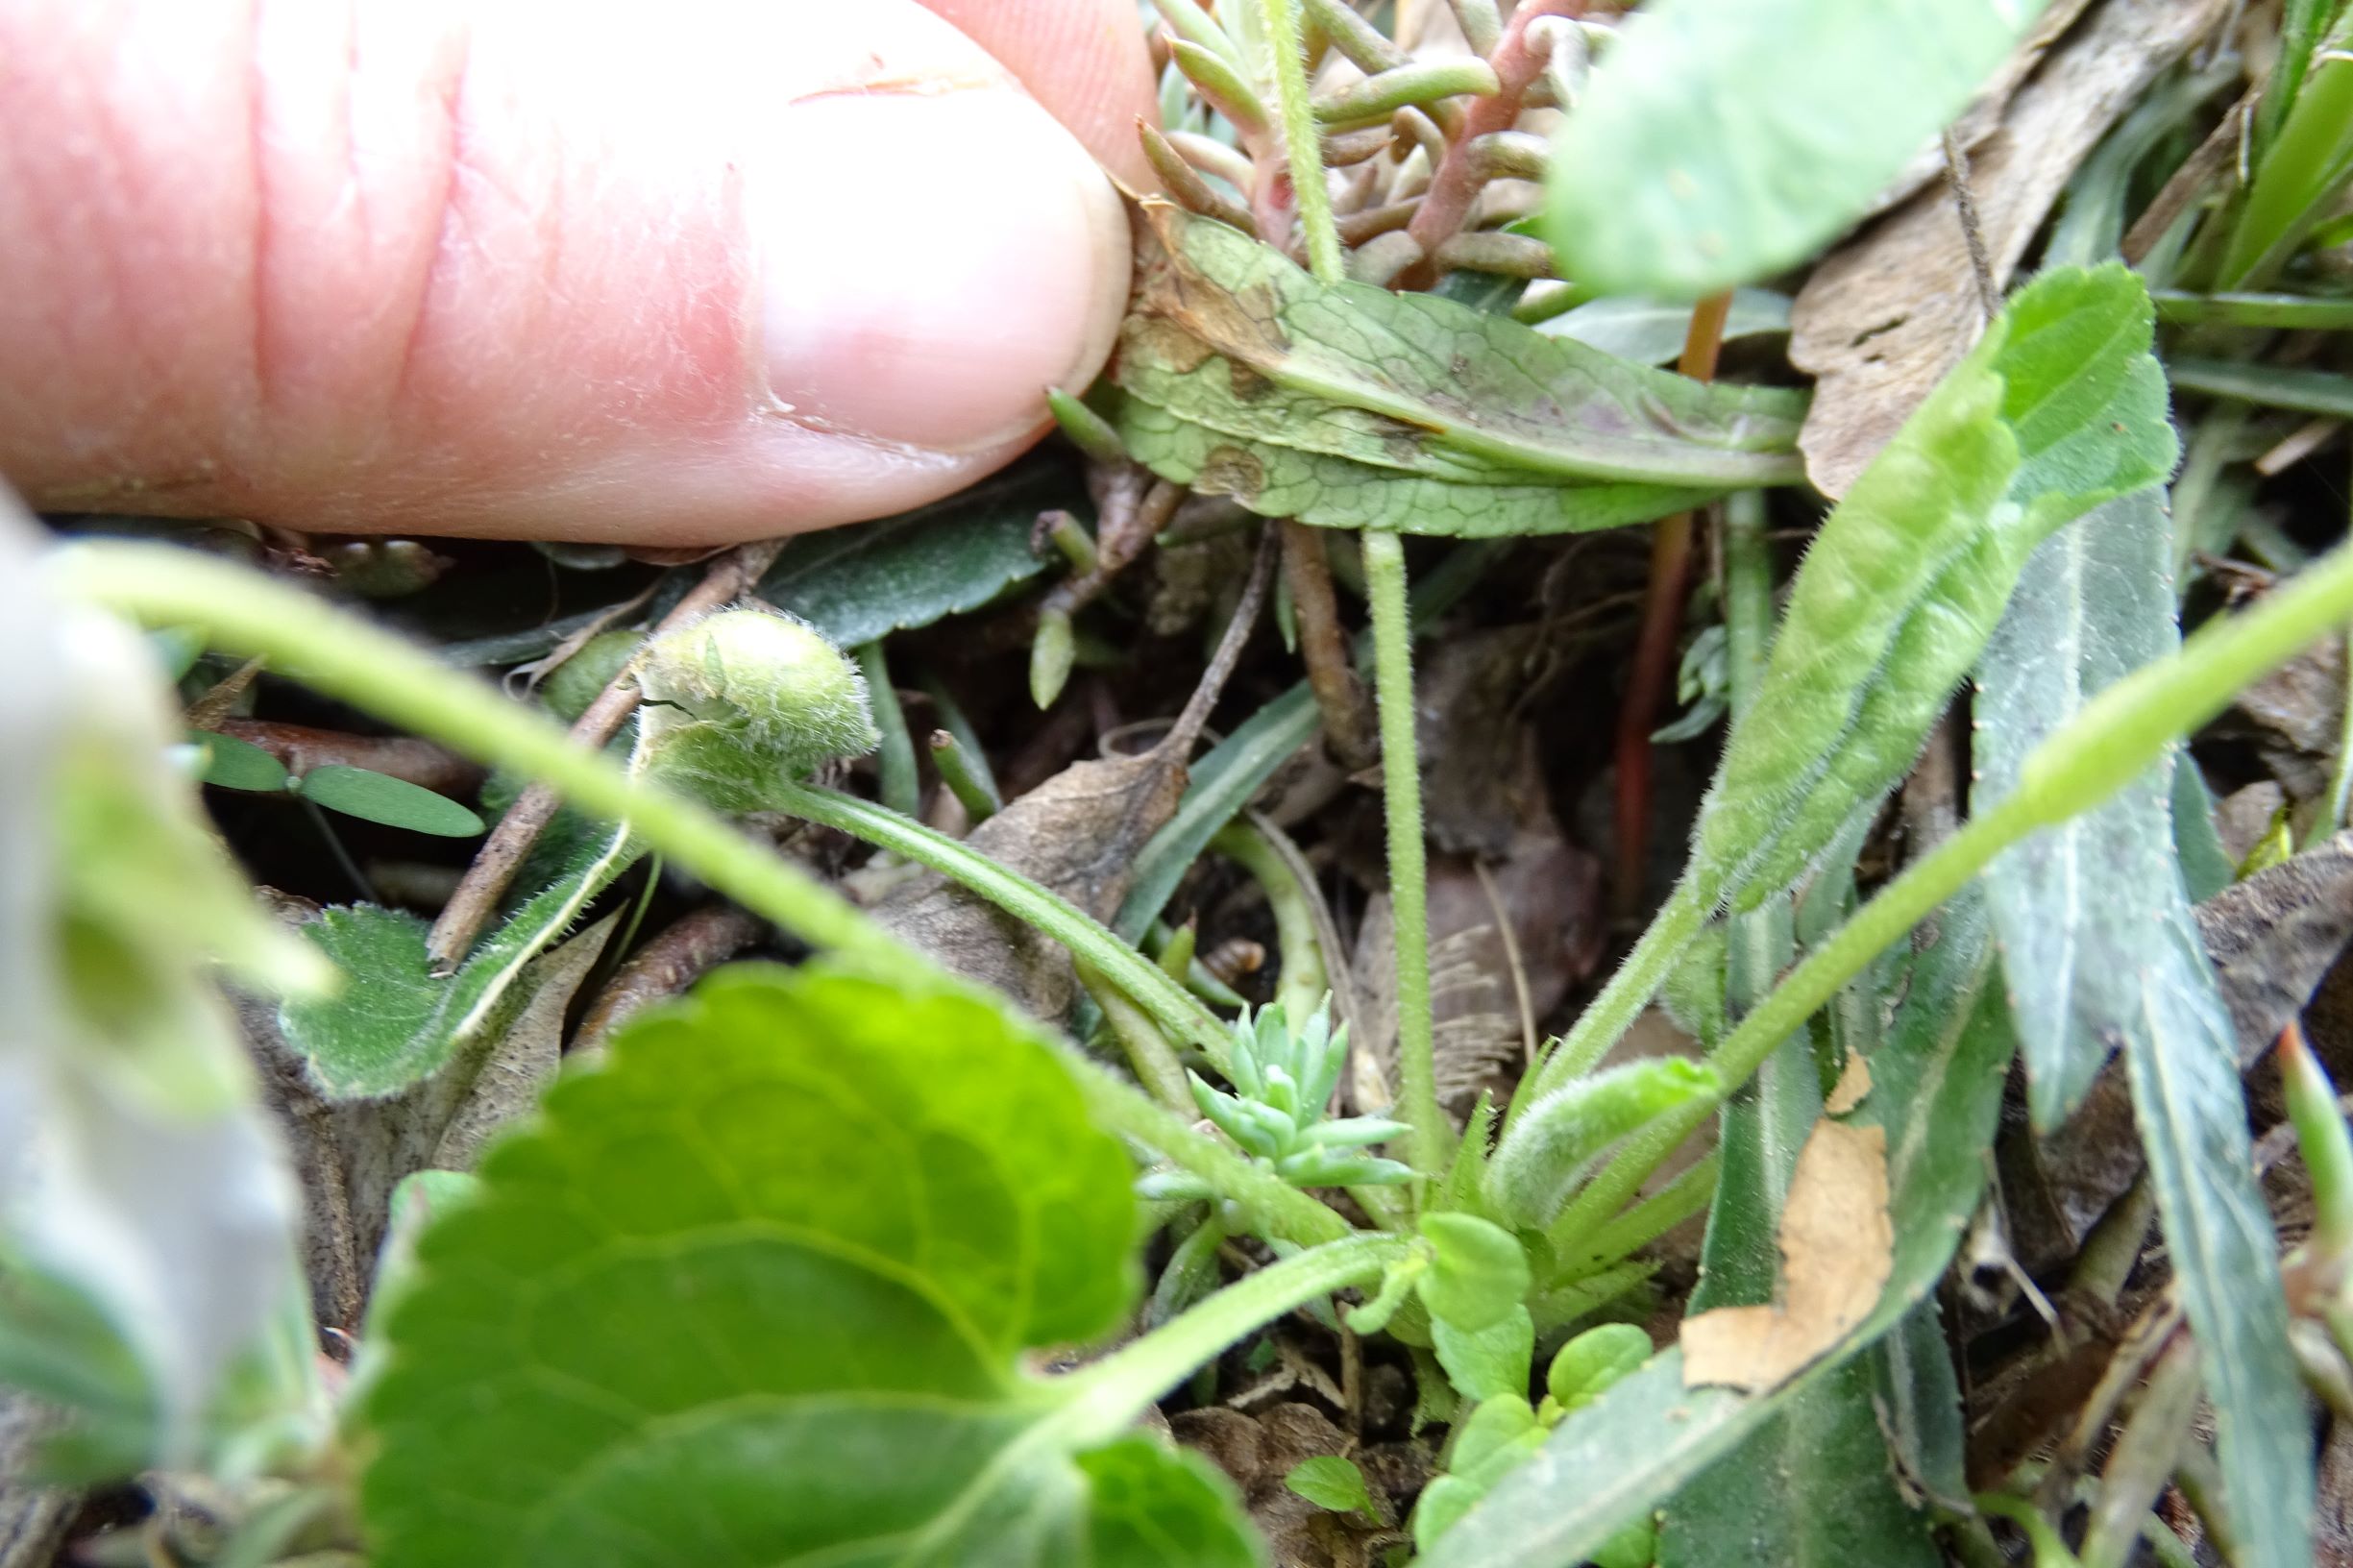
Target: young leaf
x,y
2060,409
394,1023
1478,1273
1938,1083
231,764
1584,1368
2074,904
378,797
1332,1482
1724,139
1346,405
660,1327
1557,1141
1484,1362
860,584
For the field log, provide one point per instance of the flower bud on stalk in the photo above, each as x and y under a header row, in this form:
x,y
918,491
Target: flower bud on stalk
x,y
744,699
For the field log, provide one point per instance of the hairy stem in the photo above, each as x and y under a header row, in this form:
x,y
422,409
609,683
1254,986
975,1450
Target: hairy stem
x,y
895,757
1401,785
1302,142
1166,1002
2124,730
348,658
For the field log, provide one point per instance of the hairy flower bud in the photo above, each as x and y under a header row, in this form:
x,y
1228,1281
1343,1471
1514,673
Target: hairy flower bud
x,y
743,697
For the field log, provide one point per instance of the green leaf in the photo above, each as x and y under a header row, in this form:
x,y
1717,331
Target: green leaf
x,y
1585,1368
1559,1137
1489,1360
860,584
394,1023
233,763
1651,332
1937,1090
1477,1272
2184,1068
1346,405
2060,409
1721,140
1334,1483
378,797
760,1291
2073,902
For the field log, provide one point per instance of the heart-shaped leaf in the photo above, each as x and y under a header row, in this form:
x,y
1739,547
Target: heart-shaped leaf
x,y
758,1291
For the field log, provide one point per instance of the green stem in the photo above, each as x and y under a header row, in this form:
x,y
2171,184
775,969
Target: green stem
x,y
304,637
1149,1056
2341,776
1302,141
1401,784
1609,1016
896,757
1025,900
1107,1397
1305,982
2124,730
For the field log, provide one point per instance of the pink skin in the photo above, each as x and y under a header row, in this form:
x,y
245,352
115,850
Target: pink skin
x,y
669,274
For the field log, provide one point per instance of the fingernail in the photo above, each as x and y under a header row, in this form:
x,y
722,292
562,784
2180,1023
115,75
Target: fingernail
x,y
931,263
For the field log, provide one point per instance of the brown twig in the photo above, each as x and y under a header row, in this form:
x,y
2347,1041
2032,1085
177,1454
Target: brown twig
x,y
208,711
1323,648
1131,510
666,965
1663,623
730,576
1456,181
1187,728
1980,261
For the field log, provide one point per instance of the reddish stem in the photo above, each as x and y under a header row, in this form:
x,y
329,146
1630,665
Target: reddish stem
x,y
1663,623
1456,181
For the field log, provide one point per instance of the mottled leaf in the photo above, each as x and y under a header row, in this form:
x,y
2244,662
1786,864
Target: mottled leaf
x,y
2078,907
1347,405
759,1291
1721,140
1937,1093
859,583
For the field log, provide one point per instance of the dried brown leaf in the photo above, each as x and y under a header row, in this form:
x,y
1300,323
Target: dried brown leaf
x,y
1853,1083
1837,1254
1077,834
1883,318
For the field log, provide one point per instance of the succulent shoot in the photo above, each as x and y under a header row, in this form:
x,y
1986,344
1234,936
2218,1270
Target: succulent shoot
x,y
1282,1080
743,699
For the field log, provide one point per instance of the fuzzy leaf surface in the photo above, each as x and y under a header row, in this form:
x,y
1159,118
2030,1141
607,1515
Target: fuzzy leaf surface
x,y
1347,405
394,1023
1724,139
2183,1063
1937,1091
757,1292
2060,409
2079,908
